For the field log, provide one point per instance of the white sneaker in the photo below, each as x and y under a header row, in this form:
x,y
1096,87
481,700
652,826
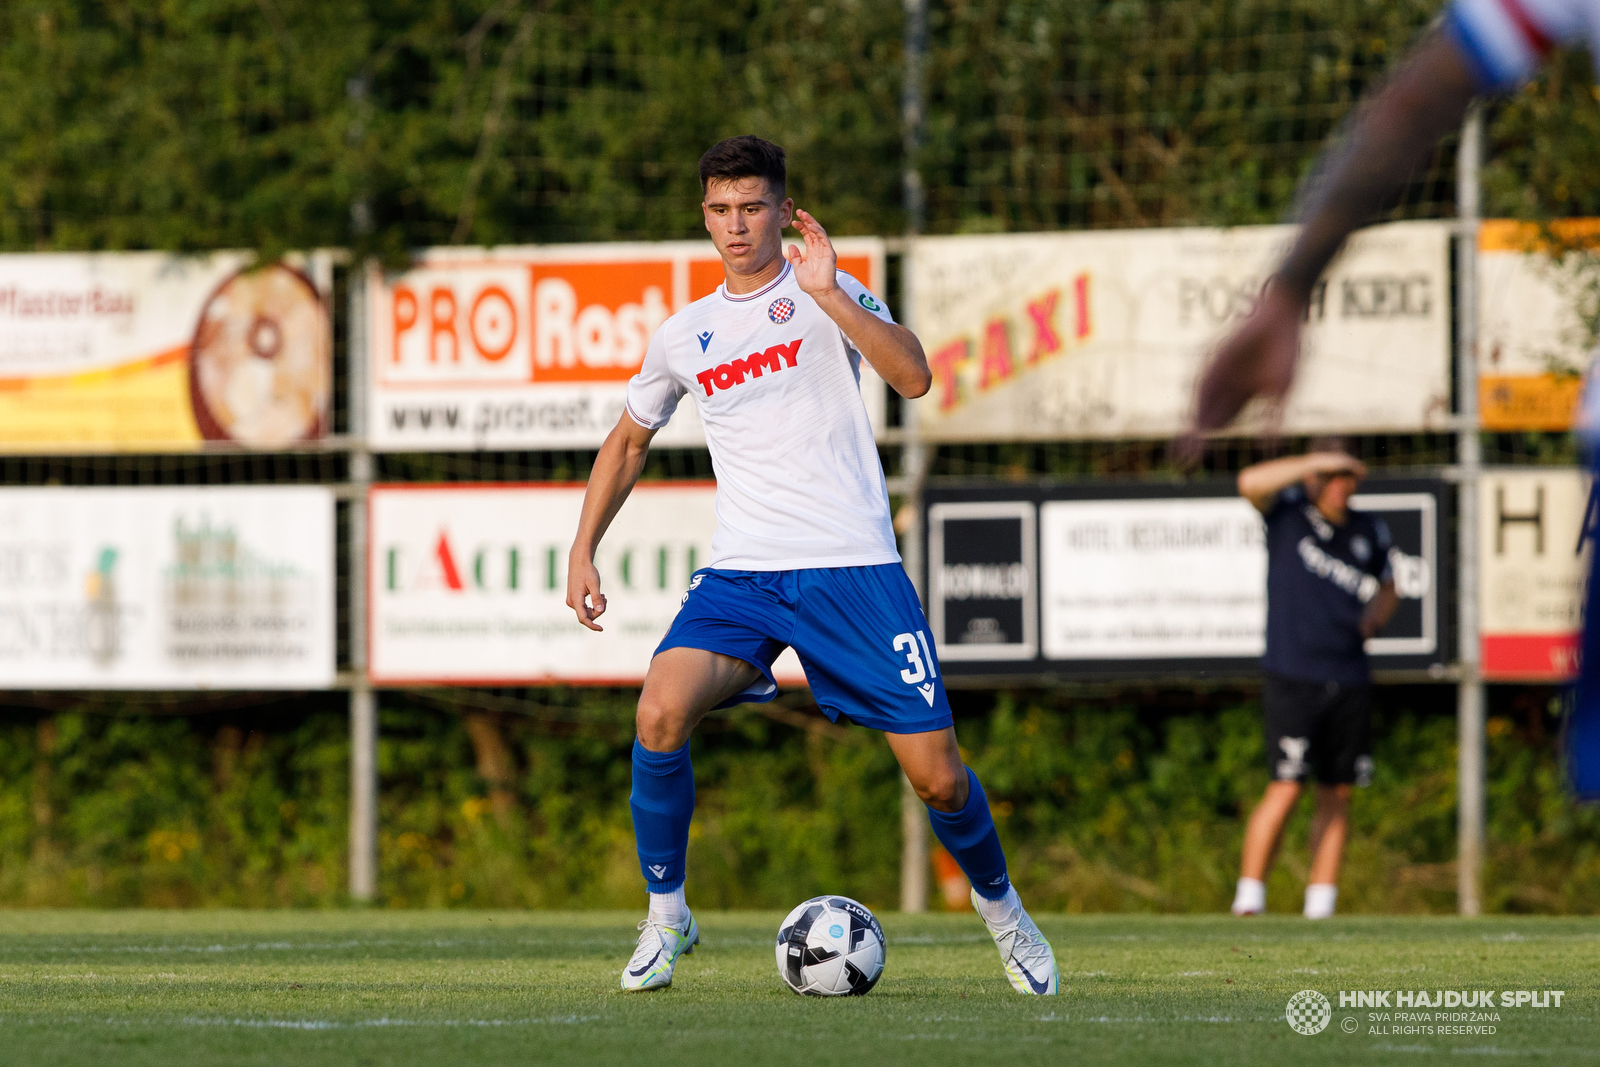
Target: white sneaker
x,y
1029,961
660,945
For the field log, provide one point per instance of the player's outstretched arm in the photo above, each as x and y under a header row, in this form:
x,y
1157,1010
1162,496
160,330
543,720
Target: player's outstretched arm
x,y
1390,137
616,469
894,351
1259,483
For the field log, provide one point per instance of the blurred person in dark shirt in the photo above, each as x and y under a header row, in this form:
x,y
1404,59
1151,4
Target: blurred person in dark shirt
x,y
1329,589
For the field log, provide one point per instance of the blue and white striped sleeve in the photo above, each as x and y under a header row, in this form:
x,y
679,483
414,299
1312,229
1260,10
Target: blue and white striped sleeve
x,y
1506,41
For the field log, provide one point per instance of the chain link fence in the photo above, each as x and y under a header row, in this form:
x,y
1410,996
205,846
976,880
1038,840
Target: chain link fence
x,y
518,121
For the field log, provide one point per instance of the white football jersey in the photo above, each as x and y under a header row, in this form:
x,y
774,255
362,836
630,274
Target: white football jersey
x,y
778,385
1506,41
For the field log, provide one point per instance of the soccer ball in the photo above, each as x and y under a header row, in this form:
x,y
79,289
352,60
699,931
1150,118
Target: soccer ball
x,y
830,947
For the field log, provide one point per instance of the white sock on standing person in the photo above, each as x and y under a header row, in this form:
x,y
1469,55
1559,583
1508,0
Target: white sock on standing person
x,y
1250,898
1320,899
670,909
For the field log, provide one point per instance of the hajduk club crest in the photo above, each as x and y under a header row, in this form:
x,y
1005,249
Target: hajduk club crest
x,y
781,310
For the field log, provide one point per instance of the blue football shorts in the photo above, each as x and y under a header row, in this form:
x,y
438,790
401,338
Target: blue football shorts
x,y
859,632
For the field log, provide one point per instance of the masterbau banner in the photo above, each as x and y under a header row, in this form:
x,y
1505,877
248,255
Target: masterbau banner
x,y
215,587
146,350
532,347
468,584
1538,299
1535,530
1101,335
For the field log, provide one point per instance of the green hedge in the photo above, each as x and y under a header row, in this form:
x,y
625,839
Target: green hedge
x,y
1102,806
244,123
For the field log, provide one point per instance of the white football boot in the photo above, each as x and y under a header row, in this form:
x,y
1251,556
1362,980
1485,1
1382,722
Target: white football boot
x,y
660,945
1029,961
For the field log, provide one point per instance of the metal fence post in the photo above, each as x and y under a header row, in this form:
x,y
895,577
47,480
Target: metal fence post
x,y
913,820
363,703
1470,690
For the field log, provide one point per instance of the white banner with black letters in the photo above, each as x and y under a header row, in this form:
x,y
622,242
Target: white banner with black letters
x,y
1136,579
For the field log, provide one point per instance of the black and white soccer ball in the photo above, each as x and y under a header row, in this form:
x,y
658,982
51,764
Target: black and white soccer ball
x,y
830,947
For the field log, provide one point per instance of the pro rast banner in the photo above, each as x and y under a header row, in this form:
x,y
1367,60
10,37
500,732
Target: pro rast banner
x,y
1136,580
1101,335
468,584
532,347
221,587
1535,537
146,350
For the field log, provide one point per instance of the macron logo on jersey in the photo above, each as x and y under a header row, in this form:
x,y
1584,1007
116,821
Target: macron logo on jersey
x,y
728,375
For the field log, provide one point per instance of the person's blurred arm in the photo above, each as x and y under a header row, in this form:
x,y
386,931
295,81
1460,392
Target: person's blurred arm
x,y
1260,483
1379,610
1390,137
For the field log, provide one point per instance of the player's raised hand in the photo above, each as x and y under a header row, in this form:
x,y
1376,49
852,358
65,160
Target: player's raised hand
x,y
814,266
583,593
1258,357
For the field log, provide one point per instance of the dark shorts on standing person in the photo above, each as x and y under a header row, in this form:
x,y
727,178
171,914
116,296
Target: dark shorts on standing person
x,y
1317,729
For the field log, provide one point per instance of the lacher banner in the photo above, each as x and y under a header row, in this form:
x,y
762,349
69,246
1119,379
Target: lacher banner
x,y
1111,580
468,583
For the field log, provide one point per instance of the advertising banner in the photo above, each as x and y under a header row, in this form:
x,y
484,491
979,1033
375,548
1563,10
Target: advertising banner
x,y
131,351
1136,579
214,588
532,347
1533,550
1101,335
1538,297
468,584
983,590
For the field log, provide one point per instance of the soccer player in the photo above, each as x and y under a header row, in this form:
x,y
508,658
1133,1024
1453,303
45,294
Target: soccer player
x,y
1481,47
804,553
1329,588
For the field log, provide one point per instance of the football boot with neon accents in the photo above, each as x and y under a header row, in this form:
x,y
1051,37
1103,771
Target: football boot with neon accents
x,y
660,946
1028,959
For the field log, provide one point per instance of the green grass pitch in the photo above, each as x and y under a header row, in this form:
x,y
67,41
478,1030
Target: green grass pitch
x,y
459,988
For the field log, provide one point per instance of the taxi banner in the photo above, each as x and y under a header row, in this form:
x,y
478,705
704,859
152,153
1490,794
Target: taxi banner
x,y
1101,335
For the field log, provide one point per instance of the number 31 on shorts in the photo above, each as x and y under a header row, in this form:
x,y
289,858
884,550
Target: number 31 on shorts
x,y
920,659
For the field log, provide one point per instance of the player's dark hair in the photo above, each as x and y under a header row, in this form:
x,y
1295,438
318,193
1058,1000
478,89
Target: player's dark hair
x,y
745,156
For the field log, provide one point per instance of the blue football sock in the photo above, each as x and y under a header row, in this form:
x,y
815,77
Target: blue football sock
x,y
662,803
969,835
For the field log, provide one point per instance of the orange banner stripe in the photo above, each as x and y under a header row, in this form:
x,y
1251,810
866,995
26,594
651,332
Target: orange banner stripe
x,y
104,374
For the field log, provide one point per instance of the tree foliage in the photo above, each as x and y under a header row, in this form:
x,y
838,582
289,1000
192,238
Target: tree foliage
x,y
264,123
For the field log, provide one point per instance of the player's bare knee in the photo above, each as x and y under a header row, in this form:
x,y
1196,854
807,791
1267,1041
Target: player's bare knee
x,y
661,725
943,790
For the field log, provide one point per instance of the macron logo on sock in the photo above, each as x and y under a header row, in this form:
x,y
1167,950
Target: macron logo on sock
x,y
658,870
